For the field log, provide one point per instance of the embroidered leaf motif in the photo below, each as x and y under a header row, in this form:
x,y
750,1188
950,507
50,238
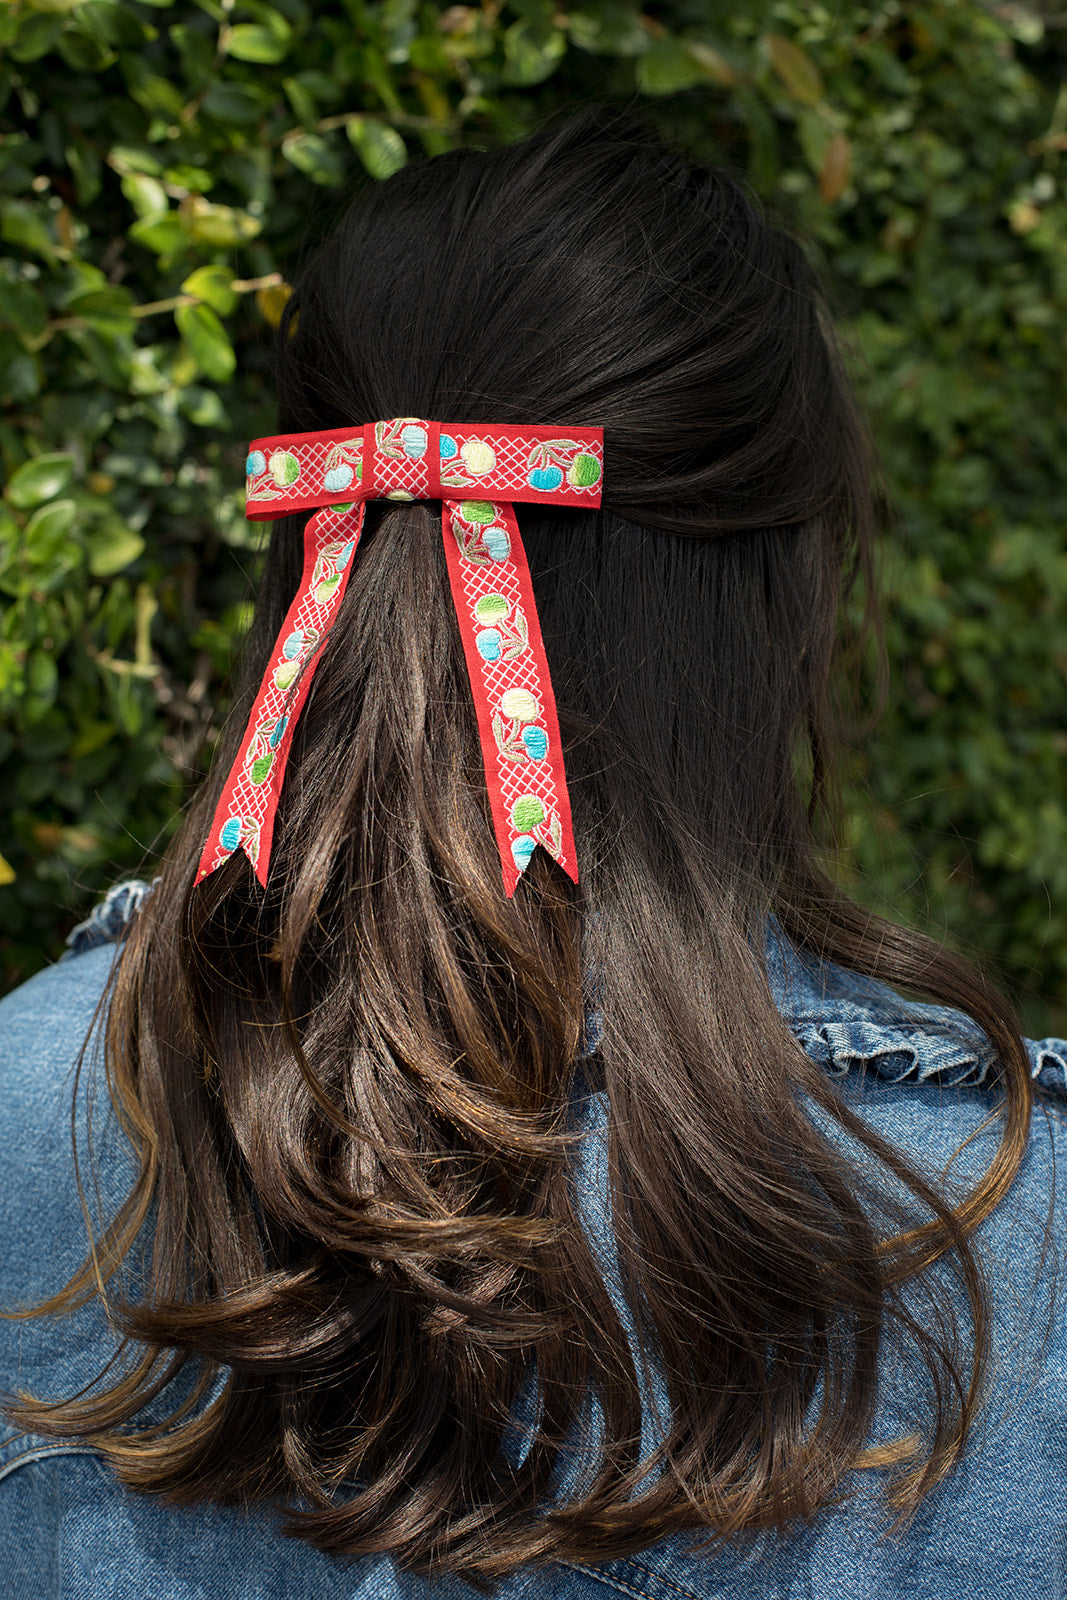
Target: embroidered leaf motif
x,y
554,452
267,490
517,634
508,741
470,543
387,438
346,453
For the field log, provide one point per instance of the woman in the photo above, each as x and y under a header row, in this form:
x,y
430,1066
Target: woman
x,y
620,1235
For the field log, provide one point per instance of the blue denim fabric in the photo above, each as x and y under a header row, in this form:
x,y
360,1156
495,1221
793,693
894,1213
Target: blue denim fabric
x,y
917,1073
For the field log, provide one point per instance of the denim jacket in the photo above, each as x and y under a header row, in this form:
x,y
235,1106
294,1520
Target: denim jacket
x,y
997,1526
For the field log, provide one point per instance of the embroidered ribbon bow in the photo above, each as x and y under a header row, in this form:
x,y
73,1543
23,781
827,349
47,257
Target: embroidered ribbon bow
x,y
332,474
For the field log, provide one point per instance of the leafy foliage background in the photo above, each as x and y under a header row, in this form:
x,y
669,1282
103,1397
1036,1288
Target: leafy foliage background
x,y
159,165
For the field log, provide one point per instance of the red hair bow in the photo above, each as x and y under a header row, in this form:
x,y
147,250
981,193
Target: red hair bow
x,y
477,470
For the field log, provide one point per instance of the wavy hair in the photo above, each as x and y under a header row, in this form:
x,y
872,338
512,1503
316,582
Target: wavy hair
x,y
354,1093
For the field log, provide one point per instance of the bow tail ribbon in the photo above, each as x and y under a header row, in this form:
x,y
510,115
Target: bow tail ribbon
x,y
244,816
513,699
506,664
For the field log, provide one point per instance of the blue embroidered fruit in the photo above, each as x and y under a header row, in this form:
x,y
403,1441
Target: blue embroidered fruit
x,y
479,513
413,441
522,849
497,543
527,812
284,468
326,588
293,645
536,741
260,767
230,837
584,471
338,478
346,555
255,463
545,478
276,733
491,608
488,642
447,446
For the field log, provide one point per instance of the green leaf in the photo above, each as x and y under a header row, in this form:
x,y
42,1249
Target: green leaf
x,y
82,54
212,284
301,99
108,309
22,308
532,52
146,195
314,155
36,37
42,681
218,226
379,147
127,158
48,531
165,236
149,90
670,66
234,102
796,70
84,164
40,479
250,41
24,223
207,341
608,29
20,370
111,548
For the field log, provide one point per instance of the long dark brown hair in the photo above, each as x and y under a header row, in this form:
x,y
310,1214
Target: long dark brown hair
x,y
356,1096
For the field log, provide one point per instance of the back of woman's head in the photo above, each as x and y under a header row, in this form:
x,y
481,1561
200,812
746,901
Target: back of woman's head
x,y
357,1093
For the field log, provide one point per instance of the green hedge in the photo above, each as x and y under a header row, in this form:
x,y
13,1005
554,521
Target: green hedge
x,y
159,165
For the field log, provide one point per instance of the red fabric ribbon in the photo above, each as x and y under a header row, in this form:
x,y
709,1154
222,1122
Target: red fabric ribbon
x,y
477,470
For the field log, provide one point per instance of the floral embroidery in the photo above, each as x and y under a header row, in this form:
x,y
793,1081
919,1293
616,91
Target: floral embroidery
x,y
555,459
343,466
404,437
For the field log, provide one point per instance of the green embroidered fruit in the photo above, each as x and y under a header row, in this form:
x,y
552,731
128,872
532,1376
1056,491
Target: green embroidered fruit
x,y
260,767
284,468
326,588
527,812
522,705
583,472
491,608
477,512
399,494
284,675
